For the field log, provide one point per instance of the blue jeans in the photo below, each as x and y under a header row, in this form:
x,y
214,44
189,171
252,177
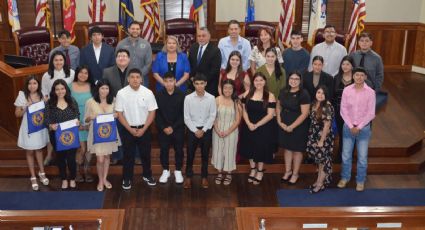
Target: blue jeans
x,y
362,142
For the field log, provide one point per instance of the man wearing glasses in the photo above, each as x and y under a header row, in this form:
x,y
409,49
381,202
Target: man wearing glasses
x,y
331,51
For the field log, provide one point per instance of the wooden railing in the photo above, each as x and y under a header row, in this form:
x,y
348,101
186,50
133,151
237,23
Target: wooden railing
x,y
102,219
331,218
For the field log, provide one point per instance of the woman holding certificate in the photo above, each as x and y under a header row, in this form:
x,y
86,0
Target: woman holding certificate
x,y
62,119
30,106
102,104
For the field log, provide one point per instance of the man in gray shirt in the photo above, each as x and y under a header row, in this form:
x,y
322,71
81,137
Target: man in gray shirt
x,y
369,60
72,53
140,51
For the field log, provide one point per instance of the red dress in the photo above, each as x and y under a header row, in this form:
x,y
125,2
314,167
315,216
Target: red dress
x,y
239,87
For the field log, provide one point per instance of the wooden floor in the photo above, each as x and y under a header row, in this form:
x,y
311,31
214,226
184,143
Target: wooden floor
x,y
396,145
170,207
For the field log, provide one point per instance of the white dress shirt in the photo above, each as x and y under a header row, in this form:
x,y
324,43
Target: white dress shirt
x,y
97,52
199,111
135,104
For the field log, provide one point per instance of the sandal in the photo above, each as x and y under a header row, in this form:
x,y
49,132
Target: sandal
x,y
286,176
107,184
43,178
99,187
228,179
34,184
257,180
251,176
218,178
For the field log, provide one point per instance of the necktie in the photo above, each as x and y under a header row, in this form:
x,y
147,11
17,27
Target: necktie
x,y
68,60
200,54
362,60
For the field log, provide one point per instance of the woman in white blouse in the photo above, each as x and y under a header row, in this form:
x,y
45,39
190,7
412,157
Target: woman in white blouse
x,y
58,69
258,56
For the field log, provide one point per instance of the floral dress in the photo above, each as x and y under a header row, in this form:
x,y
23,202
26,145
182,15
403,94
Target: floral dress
x,y
321,155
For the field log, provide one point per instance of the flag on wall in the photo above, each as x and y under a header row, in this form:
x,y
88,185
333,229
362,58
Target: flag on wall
x,y
250,11
151,23
197,13
69,17
126,14
12,9
286,20
96,9
42,13
317,17
356,23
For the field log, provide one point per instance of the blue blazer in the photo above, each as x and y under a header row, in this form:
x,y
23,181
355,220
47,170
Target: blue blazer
x,y
160,66
106,59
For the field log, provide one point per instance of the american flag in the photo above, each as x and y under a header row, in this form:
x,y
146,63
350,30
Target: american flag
x,y
96,9
286,20
42,13
197,13
151,22
356,22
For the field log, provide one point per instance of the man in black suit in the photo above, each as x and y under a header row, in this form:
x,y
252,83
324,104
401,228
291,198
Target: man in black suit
x,y
117,75
97,55
205,58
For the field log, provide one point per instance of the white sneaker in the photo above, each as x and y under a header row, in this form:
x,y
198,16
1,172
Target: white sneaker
x,y
179,177
164,177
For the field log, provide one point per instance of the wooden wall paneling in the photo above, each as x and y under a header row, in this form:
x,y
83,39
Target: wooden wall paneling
x,y
26,11
412,35
211,9
419,47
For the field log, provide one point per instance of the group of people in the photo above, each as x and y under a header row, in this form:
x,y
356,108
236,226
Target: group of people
x,y
240,101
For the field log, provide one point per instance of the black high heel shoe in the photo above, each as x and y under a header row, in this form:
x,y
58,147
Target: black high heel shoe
x,y
313,191
293,183
283,180
257,181
252,178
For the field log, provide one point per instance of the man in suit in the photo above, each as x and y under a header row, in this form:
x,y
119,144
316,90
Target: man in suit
x,y
116,75
205,58
97,55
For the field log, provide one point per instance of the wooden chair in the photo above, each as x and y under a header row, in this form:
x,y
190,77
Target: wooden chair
x,y
35,43
111,32
184,29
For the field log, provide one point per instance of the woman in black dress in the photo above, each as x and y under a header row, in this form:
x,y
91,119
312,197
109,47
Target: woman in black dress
x,y
292,111
321,138
62,107
343,79
317,77
257,139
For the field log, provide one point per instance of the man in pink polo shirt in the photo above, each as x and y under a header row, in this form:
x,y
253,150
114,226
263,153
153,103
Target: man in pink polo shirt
x,y
357,111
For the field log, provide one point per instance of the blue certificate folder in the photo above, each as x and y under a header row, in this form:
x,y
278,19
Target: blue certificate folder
x,y
35,117
104,129
67,136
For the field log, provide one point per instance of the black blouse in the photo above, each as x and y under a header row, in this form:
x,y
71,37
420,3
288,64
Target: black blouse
x,y
56,115
325,79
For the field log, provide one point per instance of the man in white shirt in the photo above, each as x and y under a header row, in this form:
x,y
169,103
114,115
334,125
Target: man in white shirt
x,y
136,107
331,51
199,115
234,42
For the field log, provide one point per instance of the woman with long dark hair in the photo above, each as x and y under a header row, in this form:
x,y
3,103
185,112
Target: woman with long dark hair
x,y
257,139
317,77
292,112
62,107
32,143
275,74
101,103
321,138
234,71
225,135
81,90
343,79
58,69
